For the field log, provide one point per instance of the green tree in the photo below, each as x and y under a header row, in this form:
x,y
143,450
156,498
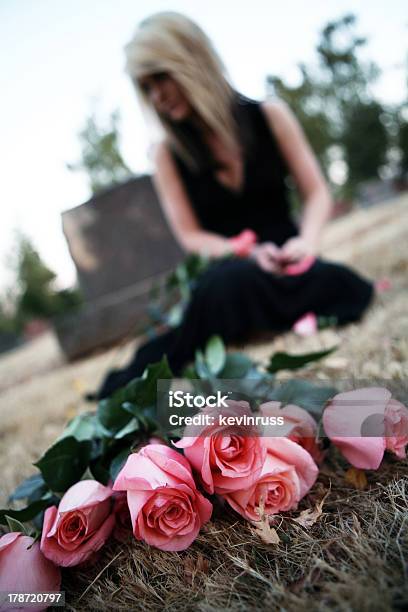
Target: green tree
x,y
365,141
34,281
333,95
101,157
35,296
7,321
345,78
403,147
307,104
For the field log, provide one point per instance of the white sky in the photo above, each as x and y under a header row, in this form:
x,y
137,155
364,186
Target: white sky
x,y
56,55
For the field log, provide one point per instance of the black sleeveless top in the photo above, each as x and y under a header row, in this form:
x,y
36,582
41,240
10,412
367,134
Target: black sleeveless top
x,y
262,205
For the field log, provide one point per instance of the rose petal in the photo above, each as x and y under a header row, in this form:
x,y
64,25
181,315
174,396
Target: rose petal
x,y
24,568
344,419
84,493
306,326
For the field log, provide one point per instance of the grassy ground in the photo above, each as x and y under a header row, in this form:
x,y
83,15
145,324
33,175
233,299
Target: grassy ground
x,y
353,558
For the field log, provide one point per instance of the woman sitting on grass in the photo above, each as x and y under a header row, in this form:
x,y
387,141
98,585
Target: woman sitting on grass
x,y
221,176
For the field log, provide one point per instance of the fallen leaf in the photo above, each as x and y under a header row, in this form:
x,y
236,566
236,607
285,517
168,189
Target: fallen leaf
x,y
265,532
308,517
263,528
357,478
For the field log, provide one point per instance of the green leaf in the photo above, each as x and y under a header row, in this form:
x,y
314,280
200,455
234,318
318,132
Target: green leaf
x,y
304,394
183,281
324,322
111,414
201,367
190,372
63,464
27,513
175,315
254,388
15,525
171,281
284,361
141,415
236,365
177,432
131,427
195,264
81,427
101,432
99,470
118,462
28,487
143,391
215,355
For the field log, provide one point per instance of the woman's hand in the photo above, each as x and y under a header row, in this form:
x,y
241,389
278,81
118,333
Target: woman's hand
x,y
295,249
267,256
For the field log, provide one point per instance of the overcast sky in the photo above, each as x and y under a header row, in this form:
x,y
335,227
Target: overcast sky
x,y
58,55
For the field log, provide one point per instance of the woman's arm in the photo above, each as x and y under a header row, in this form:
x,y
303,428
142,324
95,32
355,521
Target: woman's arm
x,y
178,210
304,167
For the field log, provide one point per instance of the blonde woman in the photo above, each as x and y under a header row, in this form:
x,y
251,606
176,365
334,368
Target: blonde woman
x,y
221,173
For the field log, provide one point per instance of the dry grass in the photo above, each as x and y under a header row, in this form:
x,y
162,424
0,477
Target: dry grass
x,y
353,558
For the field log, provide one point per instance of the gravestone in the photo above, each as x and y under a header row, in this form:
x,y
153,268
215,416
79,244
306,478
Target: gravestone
x,y
120,244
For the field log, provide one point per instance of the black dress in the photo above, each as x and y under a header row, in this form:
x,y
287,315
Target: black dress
x,y
235,298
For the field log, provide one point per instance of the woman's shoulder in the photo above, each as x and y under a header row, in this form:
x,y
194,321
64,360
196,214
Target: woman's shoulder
x,y
271,106
165,162
279,116
275,112
159,152
164,156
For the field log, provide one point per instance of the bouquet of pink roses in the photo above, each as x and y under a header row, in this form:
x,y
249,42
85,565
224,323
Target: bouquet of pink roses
x,y
106,476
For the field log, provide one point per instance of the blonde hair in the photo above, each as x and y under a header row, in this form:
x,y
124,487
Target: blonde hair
x,y
170,42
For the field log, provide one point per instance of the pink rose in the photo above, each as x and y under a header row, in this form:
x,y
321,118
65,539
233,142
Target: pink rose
x,y
300,267
382,285
396,428
165,507
370,411
80,525
298,426
287,475
227,457
24,568
242,244
306,325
